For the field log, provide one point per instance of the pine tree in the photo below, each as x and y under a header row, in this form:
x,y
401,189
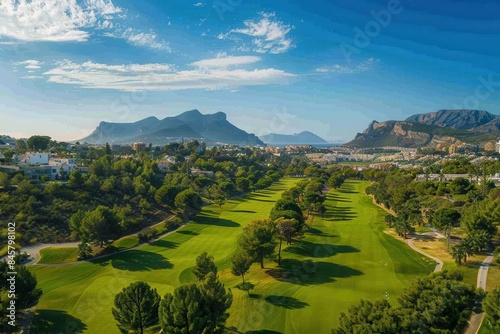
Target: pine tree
x,y
182,312
241,264
204,265
216,301
136,307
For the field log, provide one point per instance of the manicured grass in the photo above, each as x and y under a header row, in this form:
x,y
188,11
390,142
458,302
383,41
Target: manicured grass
x,y
126,243
346,257
493,279
438,248
53,255
485,329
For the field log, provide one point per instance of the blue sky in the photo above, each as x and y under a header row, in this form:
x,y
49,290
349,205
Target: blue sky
x,y
329,67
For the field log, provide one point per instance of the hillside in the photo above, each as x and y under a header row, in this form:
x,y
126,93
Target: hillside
x,y
415,135
455,119
303,138
211,128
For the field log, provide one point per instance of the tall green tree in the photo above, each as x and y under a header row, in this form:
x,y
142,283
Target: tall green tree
x,y
204,265
459,253
38,143
286,229
166,194
216,302
491,306
241,263
258,239
182,312
27,293
189,202
8,154
21,146
444,219
136,307
99,225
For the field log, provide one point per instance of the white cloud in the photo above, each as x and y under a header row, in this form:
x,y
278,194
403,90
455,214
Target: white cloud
x,y
364,66
32,77
223,61
30,64
142,39
67,21
52,21
160,77
269,34
199,4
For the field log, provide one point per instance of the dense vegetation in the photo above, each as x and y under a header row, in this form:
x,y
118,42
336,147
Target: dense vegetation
x,y
439,303
460,203
123,194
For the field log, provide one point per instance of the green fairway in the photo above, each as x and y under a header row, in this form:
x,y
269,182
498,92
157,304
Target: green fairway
x,y
345,258
58,255
126,243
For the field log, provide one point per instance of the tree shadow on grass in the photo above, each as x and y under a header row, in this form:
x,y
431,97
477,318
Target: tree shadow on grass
x,y
56,321
263,331
287,302
205,220
310,272
258,199
244,211
186,232
337,198
138,260
310,249
165,243
340,214
348,188
320,233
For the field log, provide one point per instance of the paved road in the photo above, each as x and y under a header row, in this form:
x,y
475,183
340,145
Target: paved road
x,y
439,263
477,318
34,250
438,234
483,272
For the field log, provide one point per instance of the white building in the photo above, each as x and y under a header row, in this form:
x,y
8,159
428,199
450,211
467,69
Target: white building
x,y
34,159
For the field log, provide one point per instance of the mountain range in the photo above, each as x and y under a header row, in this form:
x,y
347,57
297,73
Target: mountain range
x,y
211,128
441,128
303,138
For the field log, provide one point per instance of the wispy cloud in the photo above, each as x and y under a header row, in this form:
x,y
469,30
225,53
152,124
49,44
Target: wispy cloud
x,y
161,77
364,66
269,34
199,4
31,64
54,20
134,37
223,60
32,77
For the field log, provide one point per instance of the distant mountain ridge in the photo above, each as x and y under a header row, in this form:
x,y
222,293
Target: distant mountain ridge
x,y
456,119
303,138
211,128
437,129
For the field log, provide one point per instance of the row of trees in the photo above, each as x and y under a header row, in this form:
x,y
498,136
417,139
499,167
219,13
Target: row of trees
x,y
192,308
285,223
